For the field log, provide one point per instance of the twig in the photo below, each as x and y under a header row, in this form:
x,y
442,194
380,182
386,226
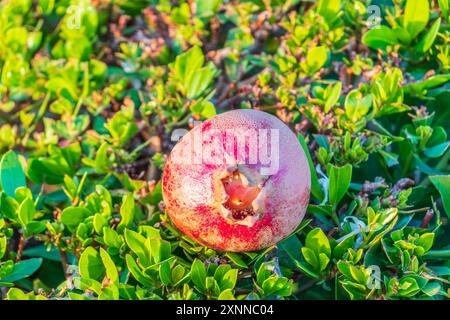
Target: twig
x,y
20,247
308,285
230,102
427,218
64,262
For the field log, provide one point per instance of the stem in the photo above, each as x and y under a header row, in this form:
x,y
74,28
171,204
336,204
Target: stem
x,y
335,218
85,91
65,265
39,115
170,228
78,106
308,285
20,247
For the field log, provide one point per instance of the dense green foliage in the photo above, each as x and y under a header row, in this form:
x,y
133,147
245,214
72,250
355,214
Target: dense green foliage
x,y
91,91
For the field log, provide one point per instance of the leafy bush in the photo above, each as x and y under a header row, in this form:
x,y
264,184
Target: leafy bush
x,y
91,92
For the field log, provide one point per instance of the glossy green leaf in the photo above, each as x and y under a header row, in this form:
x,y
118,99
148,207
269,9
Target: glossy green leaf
x,y
11,173
442,184
339,182
91,264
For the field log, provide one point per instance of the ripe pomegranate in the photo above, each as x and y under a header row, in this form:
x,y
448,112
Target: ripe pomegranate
x,y
237,182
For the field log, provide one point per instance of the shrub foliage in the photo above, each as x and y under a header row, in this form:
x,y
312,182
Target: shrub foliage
x,y
91,92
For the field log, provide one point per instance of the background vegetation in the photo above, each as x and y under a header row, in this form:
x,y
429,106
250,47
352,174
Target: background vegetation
x,y
91,91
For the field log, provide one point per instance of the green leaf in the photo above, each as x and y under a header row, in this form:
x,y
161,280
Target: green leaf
x,y
408,287
187,63
207,8
77,296
198,274
204,108
11,173
91,264
136,243
165,273
306,268
428,39
72,155
317,241
9,206
343,246
390,158
3,243
99,223
442,184
159,249
421,87
355,290
26,211
73,216
200,81
310,257
264,272
194,80
229,279
288,248
426,241
437,150
101,159
220,271
34,227
379,38
41,251
178,274
443,6
110,292
111,270
432,289
316,189
417,14
339,182
126,212
333,98
23,269
329,9
316,58
323,261
227,294
23,193
137,273
236,259
357,105
17,294
122,128
111,238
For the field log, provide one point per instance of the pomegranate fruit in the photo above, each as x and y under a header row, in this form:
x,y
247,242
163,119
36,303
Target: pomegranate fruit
x,y
237,182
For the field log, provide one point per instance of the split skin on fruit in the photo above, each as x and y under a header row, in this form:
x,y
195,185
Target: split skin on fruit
x,y
237,182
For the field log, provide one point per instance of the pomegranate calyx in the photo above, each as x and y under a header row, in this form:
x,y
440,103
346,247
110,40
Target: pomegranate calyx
x,y
243,195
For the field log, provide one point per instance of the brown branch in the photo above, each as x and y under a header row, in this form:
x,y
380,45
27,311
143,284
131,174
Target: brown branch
x,y
64,262
20,247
